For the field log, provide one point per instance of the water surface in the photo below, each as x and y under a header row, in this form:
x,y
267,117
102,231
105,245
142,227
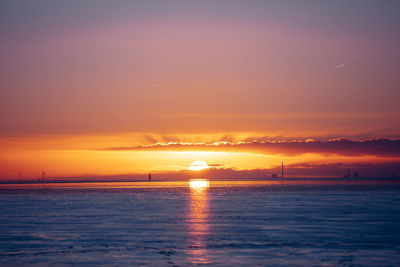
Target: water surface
x,y
272,223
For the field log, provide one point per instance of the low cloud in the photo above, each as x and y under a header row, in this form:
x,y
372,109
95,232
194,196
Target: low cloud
x,y
387,169
301,170
344,147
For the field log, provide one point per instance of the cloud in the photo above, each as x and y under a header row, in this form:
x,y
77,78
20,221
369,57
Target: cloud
x,y
344,147
212,165
385,169
382,169
354,57
340,66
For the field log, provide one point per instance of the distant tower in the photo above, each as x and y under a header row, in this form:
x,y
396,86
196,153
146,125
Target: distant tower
x,y
282,169
43,175
149,176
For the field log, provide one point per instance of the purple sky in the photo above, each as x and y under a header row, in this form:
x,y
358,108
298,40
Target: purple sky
x,y
73,67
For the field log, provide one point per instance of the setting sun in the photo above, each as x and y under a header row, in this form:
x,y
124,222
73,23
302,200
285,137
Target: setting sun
x,y
198,166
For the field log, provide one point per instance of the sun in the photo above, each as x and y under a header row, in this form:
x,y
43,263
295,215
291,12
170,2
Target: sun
x,y
198,166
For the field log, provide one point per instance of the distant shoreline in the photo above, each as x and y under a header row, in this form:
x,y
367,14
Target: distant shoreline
x,y
210,179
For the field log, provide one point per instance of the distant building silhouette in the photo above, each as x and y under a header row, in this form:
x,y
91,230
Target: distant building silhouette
x,y
355,175
282,170
348,173
149,176
43,177
274,175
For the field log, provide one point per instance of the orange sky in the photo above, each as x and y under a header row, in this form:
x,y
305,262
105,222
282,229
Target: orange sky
x,y
87,156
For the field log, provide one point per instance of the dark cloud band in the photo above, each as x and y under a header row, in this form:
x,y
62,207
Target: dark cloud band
x,y
378,147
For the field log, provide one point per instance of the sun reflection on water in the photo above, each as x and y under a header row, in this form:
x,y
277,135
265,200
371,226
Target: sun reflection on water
x,y
199,184
198,221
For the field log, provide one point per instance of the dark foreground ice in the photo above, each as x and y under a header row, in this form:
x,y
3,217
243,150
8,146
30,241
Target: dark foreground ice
x,y
264,225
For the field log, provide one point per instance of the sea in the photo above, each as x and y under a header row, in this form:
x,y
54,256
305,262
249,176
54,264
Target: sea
x,y
298,222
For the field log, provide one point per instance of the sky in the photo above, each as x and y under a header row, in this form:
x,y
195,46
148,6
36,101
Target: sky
x,y
104,88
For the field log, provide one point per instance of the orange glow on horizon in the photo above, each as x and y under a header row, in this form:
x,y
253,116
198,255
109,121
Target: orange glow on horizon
x,y
85,156
70,163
